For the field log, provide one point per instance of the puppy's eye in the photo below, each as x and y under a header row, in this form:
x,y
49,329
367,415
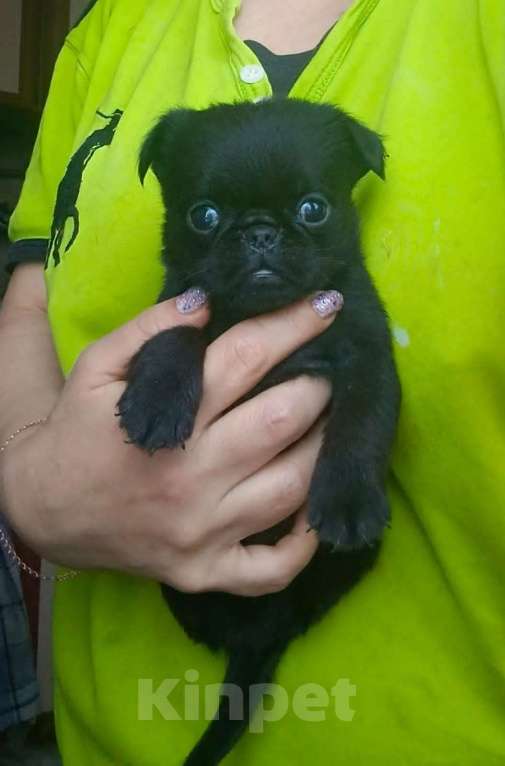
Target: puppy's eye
x,y
203,217
313,210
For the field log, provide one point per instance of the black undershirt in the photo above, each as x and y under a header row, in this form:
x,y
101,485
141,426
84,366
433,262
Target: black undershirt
x,y
282,71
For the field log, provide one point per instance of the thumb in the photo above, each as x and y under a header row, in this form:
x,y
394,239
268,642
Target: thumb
x,y
107,359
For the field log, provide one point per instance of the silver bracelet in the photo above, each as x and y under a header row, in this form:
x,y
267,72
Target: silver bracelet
x,y
4,540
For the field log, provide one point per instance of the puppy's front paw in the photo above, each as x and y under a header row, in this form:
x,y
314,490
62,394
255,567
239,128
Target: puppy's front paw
x,y
347,511
160,402
156,413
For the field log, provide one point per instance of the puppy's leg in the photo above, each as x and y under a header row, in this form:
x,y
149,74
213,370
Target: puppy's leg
x,y
347,501
160,402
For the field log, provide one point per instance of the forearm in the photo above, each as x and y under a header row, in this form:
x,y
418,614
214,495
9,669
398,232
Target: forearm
x,y
31,378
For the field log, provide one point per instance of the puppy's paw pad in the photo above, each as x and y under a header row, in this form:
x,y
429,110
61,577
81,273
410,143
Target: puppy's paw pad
x,y
373,516
156,416
332,531
350,519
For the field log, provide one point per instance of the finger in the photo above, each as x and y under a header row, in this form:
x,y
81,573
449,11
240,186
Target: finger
x,y
256,570
249,436
274,492
107,359
241,357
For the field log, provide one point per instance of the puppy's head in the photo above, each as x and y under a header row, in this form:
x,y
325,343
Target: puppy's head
x,y
258,197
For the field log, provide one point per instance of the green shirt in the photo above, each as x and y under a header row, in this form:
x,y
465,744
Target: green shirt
x,y
422,638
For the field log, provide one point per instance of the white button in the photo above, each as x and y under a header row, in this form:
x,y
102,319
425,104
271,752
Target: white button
x,y
252,73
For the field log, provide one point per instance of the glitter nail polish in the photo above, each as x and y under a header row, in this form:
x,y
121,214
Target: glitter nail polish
x,y
327,303
191,300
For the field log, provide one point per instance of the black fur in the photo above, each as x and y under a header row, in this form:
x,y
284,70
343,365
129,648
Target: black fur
x,y
255,163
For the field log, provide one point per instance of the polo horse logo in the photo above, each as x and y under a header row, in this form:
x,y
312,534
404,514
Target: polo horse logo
x,y
70,185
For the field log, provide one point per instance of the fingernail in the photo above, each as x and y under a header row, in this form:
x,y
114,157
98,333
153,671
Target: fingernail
x,y
327,303
191,300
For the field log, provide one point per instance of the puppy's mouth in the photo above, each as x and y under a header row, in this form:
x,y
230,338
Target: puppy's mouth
x,y
261,288
266,277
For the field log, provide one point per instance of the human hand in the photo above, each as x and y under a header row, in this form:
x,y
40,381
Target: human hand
x,y
82,497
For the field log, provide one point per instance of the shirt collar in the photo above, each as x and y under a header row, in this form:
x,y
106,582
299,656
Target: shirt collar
x,y
221,5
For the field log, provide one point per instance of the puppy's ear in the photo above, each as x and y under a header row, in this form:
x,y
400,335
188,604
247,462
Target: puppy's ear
x,y
147,153
158,147
367,147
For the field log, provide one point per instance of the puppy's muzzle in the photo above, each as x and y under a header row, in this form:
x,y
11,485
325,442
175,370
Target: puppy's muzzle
x,y
261,240
262,237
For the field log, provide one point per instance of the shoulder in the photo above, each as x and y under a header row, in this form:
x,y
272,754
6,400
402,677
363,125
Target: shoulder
x,y
105,9
103,22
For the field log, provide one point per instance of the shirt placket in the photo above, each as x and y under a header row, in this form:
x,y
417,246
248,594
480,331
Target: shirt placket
x,y
250,76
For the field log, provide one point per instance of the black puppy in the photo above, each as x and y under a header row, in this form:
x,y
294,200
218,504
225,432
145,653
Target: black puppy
x,y
258,206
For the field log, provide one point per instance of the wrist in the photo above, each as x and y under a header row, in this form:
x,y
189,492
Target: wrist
x,y
19,483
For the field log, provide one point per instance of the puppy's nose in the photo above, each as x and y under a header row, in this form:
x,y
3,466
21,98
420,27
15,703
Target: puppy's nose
x,y
261,237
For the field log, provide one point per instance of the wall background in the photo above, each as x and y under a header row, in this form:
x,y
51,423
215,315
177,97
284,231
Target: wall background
x,y
10,41
76,8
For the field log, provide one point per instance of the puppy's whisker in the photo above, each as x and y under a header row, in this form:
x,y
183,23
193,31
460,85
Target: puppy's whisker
x,y
188,275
